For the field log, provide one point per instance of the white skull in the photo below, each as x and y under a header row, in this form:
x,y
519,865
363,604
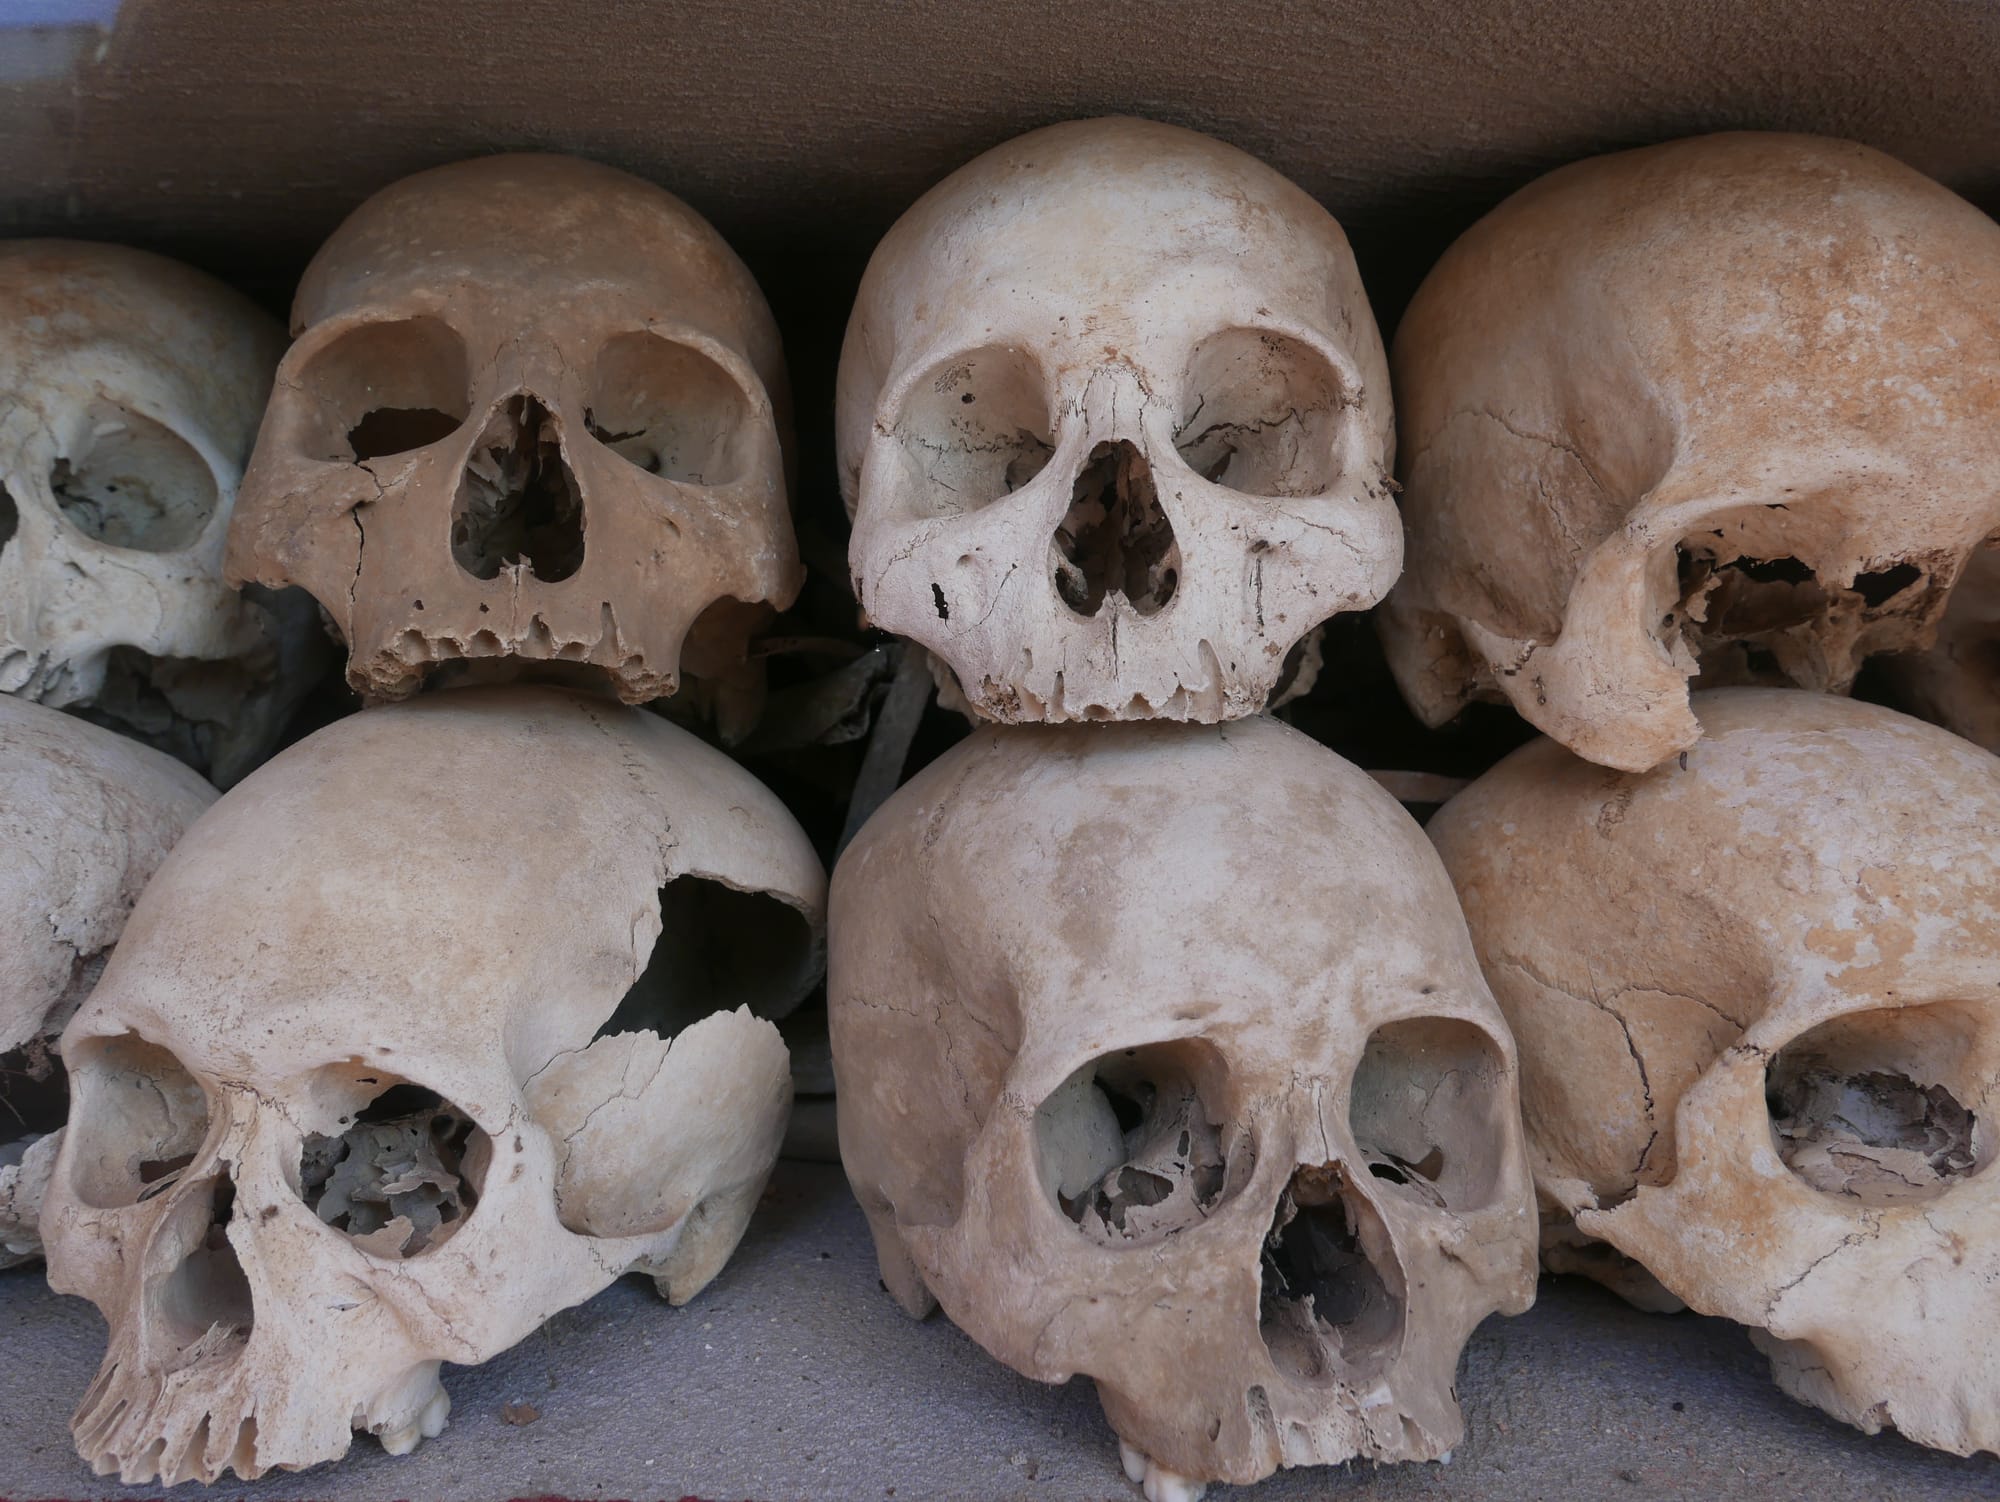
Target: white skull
x,y
1163,1057
130,388
1114,427
1720,406
562,444
1758,1007
1956,683
85,816
338,1115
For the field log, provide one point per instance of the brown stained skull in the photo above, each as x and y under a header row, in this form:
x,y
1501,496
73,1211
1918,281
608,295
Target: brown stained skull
x,y
1163,1058
1724,407
1114,428
85,817
439,1023
536,411
1757,1000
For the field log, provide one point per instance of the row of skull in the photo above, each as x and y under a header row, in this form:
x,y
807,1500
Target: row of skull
x,y
1114,428
1113,425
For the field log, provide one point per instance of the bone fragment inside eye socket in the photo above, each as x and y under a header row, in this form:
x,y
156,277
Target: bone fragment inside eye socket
x,y
400,1180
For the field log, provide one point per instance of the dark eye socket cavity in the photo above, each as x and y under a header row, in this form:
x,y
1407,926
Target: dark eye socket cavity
x,y
671,410
1262,414
383,389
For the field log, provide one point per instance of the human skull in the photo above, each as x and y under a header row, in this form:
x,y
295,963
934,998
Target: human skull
x,y
1723,406
85,816
1956,683
1162,1057
560,444
130,388
1114,427
358,1094
1756,1005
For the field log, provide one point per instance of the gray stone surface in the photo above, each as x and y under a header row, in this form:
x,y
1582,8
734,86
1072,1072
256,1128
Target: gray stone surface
x,y
794,1377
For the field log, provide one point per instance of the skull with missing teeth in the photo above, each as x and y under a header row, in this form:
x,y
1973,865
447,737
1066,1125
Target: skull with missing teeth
x,y
1758,1007
1114,427
534,412
358,1094
1727,407
1163,1058
130,388
85,817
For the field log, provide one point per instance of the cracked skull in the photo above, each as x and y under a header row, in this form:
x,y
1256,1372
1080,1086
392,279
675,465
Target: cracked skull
x,y
1774,1092
130,387
1163,1058
1723,407
563,447
446,1018
85,817
1114,428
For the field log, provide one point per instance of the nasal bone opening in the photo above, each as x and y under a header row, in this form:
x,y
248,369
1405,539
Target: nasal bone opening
x,y
1332,1297
518,505
207,1291
1115,538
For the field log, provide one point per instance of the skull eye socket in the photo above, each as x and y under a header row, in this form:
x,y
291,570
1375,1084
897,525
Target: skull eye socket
x,y
385,388
973,429
130,482
671,411
1428,1111
137,1121
1261,414
719,949
1882,1107
1128,1147
404,1176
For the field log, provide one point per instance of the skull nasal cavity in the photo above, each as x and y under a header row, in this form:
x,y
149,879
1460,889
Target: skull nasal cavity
x,y
518,504
1331,1306
207,1290
1115,539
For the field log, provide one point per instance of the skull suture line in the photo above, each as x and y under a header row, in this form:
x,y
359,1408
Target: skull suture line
x,y
130,388
1775,1090
357,1093
1163,1057
1114,427
563,445
1724,406
85,817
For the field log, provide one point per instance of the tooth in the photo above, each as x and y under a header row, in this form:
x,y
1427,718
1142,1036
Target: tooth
x,y
1158,1483
428,1424
436,1412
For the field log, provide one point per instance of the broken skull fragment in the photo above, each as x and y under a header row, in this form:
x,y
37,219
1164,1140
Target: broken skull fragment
x,y
1721,409
1163,1058
85,817
375,1081
1773,1099
492,453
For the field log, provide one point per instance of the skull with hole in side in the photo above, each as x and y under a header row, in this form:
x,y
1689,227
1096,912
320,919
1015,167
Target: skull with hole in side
x,y
85,817
1757,1001
1114,427
437,1024
1163,1057
1726,407
536,412
130,388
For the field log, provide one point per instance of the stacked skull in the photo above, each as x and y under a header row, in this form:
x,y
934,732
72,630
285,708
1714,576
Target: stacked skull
x,y
1162,1054
459,1009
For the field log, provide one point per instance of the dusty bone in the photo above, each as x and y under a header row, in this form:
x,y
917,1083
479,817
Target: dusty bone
x,y
1718,407
311,1065
131,388
1115,476
1103,999
85,817
1775,1093
565,458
